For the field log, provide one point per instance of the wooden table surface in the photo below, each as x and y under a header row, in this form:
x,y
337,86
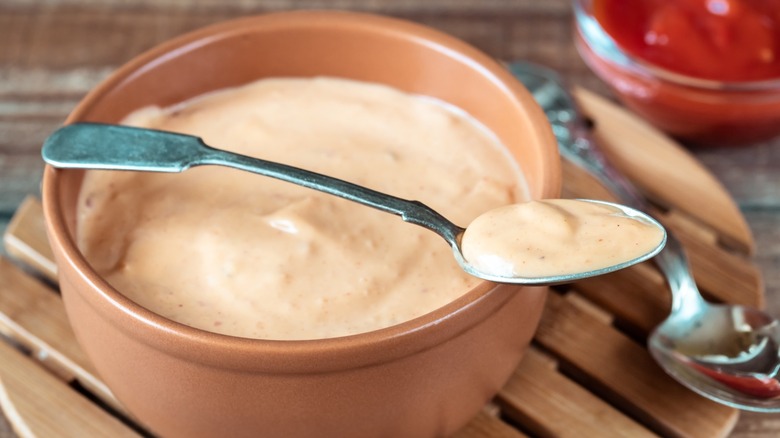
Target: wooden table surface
x,y
52,53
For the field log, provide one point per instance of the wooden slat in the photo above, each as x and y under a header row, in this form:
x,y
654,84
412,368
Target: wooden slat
x,y
550,404
623,372
32,314
723,275
638,296
669,175
25,238
485,425
39,404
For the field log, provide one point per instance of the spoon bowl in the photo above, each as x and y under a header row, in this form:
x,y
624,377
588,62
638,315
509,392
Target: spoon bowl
x,y
727,353
83,146
744,378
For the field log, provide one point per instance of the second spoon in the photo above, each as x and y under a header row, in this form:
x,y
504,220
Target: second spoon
x,y
728,353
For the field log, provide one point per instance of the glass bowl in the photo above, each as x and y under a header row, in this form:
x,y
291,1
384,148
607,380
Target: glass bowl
x,y
697,111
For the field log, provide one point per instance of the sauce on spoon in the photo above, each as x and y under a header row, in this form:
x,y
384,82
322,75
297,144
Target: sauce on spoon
x,y
556,237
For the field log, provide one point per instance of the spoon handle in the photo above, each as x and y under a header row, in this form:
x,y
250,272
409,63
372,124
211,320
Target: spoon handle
x,y
414,212
116,147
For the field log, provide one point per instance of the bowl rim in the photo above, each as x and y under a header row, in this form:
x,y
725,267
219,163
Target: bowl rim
x,y
291,356
604,46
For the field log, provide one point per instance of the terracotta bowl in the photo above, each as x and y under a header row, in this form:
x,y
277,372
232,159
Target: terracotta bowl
x,y
422,378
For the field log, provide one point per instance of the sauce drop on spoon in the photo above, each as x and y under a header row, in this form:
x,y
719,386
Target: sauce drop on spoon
x,y
555,237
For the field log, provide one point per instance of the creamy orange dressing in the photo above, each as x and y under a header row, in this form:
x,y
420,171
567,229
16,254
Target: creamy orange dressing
x,y
555,237
240,254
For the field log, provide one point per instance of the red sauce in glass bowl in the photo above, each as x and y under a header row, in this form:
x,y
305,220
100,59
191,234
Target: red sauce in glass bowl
x,y
723,40
705,71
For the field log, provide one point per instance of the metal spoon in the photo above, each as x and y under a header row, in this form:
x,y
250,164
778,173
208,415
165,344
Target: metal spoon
x,y
727,353
115,147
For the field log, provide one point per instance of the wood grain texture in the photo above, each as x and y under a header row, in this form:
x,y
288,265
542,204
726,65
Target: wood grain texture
x,y
43,406
626,373
486,425
666,174
550,404
33,315
25,239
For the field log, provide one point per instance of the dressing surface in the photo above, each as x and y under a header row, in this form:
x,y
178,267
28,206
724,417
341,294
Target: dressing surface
x,y
235,253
